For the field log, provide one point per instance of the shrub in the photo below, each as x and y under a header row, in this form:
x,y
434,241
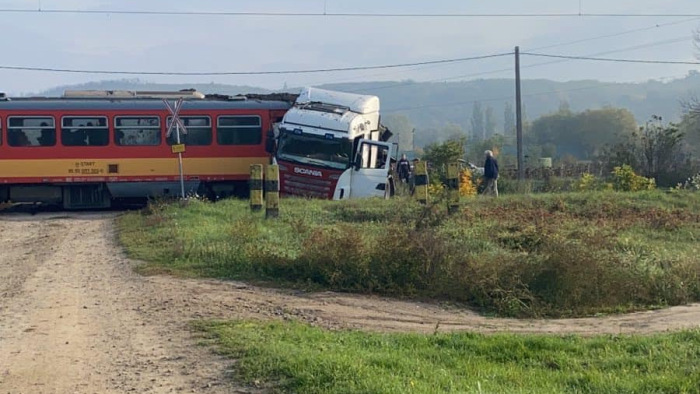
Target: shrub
x,y
467,184
333,256
626,180
692,184
436,189
587,183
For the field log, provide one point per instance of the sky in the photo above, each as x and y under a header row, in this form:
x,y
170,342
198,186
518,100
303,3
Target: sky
x,y
201,43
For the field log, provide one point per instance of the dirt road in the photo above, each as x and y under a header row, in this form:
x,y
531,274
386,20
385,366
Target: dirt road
x,y
74,318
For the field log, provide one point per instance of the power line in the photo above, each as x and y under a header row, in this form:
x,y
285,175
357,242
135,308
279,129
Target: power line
x,y
632,48
625,32
618,34
603,59
212,73
350,14
622,33
648,45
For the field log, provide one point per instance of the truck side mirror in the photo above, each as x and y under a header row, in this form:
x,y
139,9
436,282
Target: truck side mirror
x,y
385,135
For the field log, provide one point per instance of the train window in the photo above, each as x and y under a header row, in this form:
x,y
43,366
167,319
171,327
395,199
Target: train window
x,y
84,131
239,130
198,131
31,131
137,130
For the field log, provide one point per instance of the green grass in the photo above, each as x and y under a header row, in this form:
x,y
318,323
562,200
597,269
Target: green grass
x,y
569,254
294,357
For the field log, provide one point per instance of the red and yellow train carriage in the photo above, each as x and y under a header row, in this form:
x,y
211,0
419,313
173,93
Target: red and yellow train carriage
x,y
87,151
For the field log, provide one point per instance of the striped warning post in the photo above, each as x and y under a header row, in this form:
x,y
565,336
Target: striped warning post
x,y
452,187
256,187
421,182
272,191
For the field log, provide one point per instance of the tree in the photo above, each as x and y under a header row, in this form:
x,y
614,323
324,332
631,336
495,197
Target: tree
x,y
661,149
603,126
477,121
439,154
690,127
476,150
583,134
656,151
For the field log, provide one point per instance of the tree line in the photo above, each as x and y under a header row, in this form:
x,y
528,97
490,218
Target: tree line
x,y
666,151
611,137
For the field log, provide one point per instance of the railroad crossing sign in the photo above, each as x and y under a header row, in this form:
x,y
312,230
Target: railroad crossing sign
x,y
179,148
174,112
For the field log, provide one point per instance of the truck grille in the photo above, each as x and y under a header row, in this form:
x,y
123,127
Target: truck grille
x,y
305,186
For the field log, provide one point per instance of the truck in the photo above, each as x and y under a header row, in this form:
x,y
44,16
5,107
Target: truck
x,y
332,145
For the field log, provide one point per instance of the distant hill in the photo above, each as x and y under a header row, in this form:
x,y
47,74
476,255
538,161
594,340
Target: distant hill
x,y
440,103
430,106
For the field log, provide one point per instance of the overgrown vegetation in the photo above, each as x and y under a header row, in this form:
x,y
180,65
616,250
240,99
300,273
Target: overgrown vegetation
x,y
692,184
292,357
543,255
655,151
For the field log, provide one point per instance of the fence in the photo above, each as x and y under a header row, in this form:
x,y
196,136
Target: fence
x,y
574,170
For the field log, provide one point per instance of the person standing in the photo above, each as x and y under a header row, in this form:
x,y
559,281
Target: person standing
x,y
490,174
403,168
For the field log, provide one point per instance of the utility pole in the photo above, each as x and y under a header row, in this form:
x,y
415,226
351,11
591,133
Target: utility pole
x,y
519,116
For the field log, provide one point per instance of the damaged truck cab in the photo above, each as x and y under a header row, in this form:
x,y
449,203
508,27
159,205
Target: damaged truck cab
x,y
331,145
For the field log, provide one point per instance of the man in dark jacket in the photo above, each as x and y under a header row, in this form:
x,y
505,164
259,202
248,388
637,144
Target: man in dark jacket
x,y
403,168
490,174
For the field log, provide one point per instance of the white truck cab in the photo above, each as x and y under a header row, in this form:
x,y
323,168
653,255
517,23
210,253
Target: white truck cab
x,y
332,145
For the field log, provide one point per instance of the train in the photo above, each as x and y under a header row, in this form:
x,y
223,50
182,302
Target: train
x,y
90,149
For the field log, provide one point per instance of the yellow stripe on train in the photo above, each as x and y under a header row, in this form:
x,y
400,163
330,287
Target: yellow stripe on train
x,y
127,167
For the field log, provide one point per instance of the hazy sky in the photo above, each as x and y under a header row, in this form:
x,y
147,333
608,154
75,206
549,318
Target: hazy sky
x,y
261,43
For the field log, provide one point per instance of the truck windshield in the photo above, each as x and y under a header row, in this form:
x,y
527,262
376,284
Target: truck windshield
x,y
315,150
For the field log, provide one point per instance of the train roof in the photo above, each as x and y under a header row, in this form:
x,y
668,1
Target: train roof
x,y
76,104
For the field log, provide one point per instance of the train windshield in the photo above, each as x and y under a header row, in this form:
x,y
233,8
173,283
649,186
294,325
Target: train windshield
x,y
315,150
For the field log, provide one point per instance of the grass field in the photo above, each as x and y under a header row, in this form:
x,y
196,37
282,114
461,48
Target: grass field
x,y
569,254
540,255
293,357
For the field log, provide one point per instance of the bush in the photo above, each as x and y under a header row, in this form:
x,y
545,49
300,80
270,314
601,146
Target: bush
x,y
626,180
692,184
587,183
436,190
468,184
